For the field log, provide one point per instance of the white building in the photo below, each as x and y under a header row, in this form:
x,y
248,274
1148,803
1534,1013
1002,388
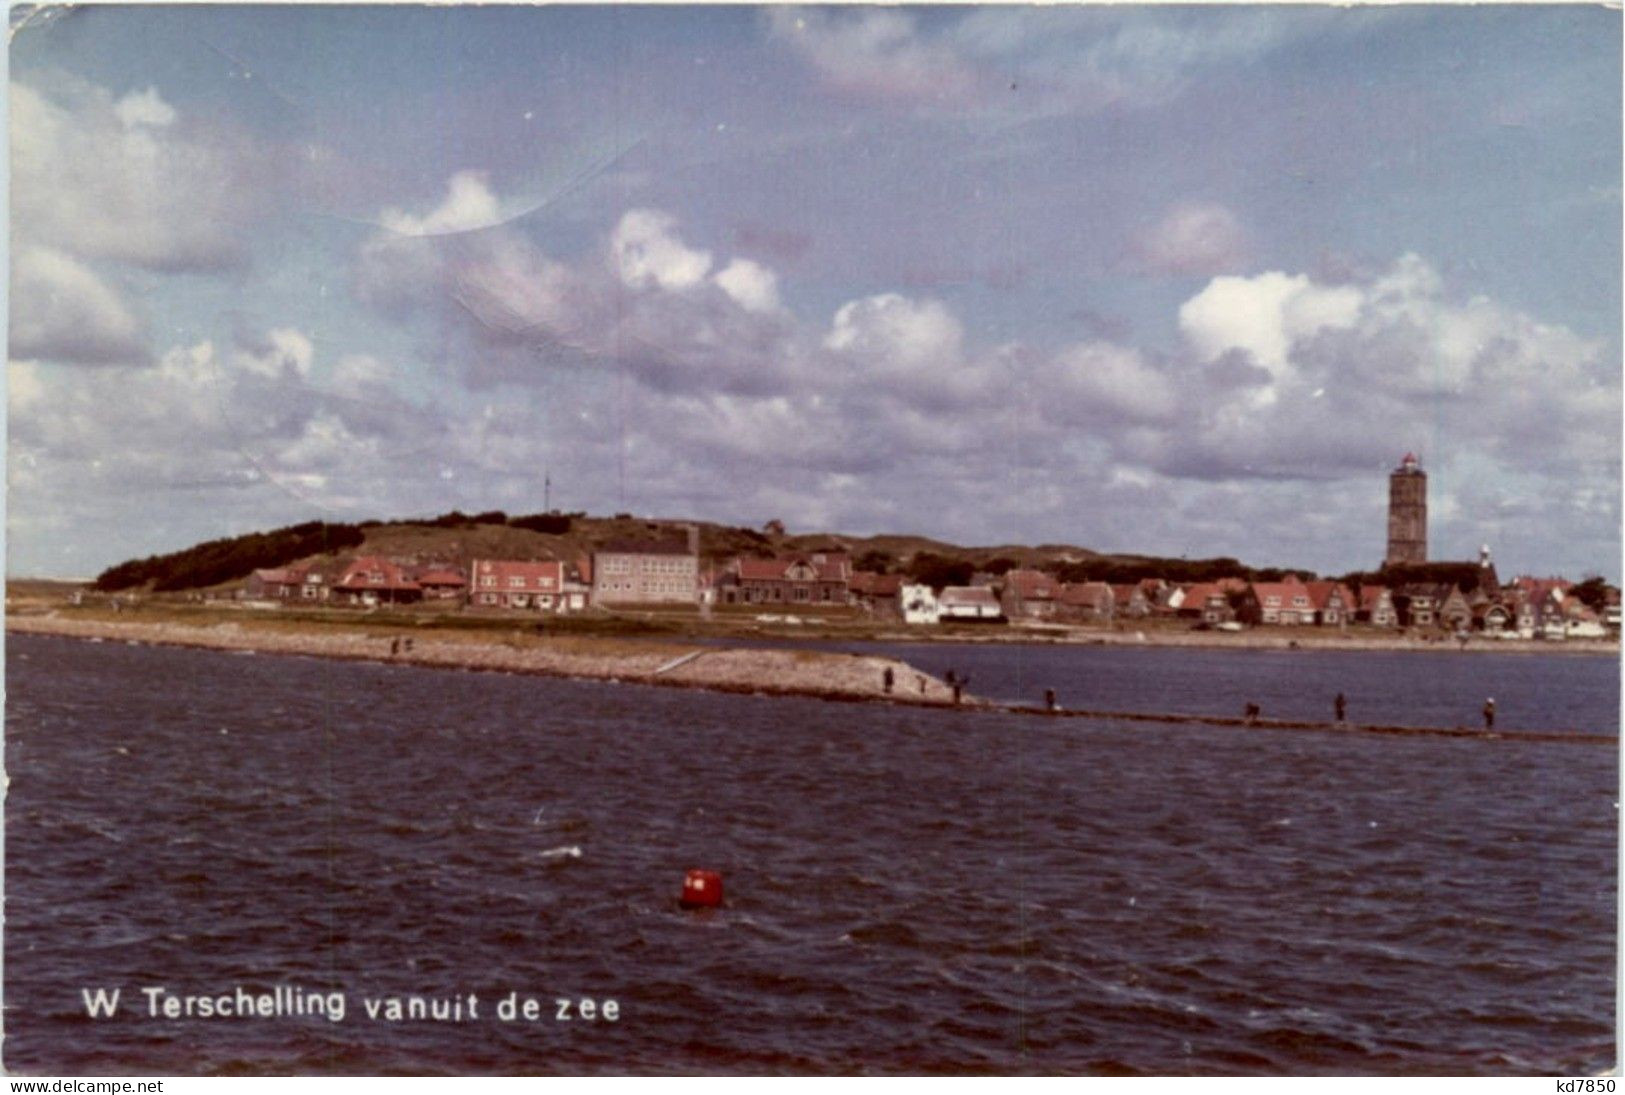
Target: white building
x,y
918,604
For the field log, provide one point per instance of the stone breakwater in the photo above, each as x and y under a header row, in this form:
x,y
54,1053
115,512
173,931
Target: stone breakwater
x,y
820,674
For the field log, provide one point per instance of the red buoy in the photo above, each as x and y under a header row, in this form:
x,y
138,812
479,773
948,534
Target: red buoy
x,y
702,890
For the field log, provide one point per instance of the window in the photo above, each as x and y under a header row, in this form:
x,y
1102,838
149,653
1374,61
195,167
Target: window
x,y
488,581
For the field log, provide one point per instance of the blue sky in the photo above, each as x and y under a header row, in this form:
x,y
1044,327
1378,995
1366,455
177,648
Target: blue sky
x,y
1172,280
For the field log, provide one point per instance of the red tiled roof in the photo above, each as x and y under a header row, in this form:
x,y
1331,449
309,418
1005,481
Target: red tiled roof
x,y
1370,596
869,584
518,577
1124,594
1032,585
1284,590
283,575
1085,593
1320,594
358,575
778,570
440,576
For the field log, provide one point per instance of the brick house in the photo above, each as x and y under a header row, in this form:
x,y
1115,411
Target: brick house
x,y
1287,602
1333,602
1208,602
374,580
881,594
1376,607
509,583
816,579
1086,601
440,582
1130,601
1030,595
286,584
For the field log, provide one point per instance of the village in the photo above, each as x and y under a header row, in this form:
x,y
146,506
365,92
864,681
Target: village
x,y
657,574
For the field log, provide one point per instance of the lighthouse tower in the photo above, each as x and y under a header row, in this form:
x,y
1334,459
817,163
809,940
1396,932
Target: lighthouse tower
x,y
1407,513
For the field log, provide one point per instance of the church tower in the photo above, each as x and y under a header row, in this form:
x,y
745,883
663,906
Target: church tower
x,y
1407,514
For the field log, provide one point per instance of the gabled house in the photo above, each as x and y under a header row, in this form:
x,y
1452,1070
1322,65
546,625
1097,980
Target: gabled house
x,y
1333,603
440,582
286,584
1286,602
961,604
1087,602
1030,595
796,579
1431,604
511,583
1377,607
374,580
917,604
1208,602
880,594
1130,602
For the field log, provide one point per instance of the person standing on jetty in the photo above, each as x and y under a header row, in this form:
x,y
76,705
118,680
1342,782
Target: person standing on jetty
x,y
1489,713
887,680
1341,706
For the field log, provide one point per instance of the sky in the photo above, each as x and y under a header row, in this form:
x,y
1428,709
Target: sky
x,y
1176,281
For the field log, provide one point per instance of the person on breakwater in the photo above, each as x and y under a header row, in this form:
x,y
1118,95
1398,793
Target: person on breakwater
x,y
1251,713
887,679
1489,713
1341,706
1049,700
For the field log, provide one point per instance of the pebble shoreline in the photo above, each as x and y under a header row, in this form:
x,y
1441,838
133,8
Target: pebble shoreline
x,y
819,674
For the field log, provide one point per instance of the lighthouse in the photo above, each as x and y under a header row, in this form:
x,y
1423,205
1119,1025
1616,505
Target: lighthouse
x,y
1407,514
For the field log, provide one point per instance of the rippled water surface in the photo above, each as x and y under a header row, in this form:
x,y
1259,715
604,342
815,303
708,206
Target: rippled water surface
x,y
909,890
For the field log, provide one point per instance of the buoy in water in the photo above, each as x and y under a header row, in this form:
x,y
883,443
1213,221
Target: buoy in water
x,y
702,890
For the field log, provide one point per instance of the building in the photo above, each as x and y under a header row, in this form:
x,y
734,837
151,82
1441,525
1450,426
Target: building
x,y
1029,594
1208,602
881,594
1333,603
509,583
374,580
440,582
1287,602
969,604
817,579
1407,513
1376,607
1089,602
918,604
286,584
647,571
1133,603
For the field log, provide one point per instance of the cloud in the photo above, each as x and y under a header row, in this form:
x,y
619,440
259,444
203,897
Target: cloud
x,y
648,254
645,304
1022,61
752,285
1193,238
875,53
130,181
1263,316
62,310
144,108
469,205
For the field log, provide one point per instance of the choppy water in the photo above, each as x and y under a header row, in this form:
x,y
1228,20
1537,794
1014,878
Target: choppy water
x,y
910,890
